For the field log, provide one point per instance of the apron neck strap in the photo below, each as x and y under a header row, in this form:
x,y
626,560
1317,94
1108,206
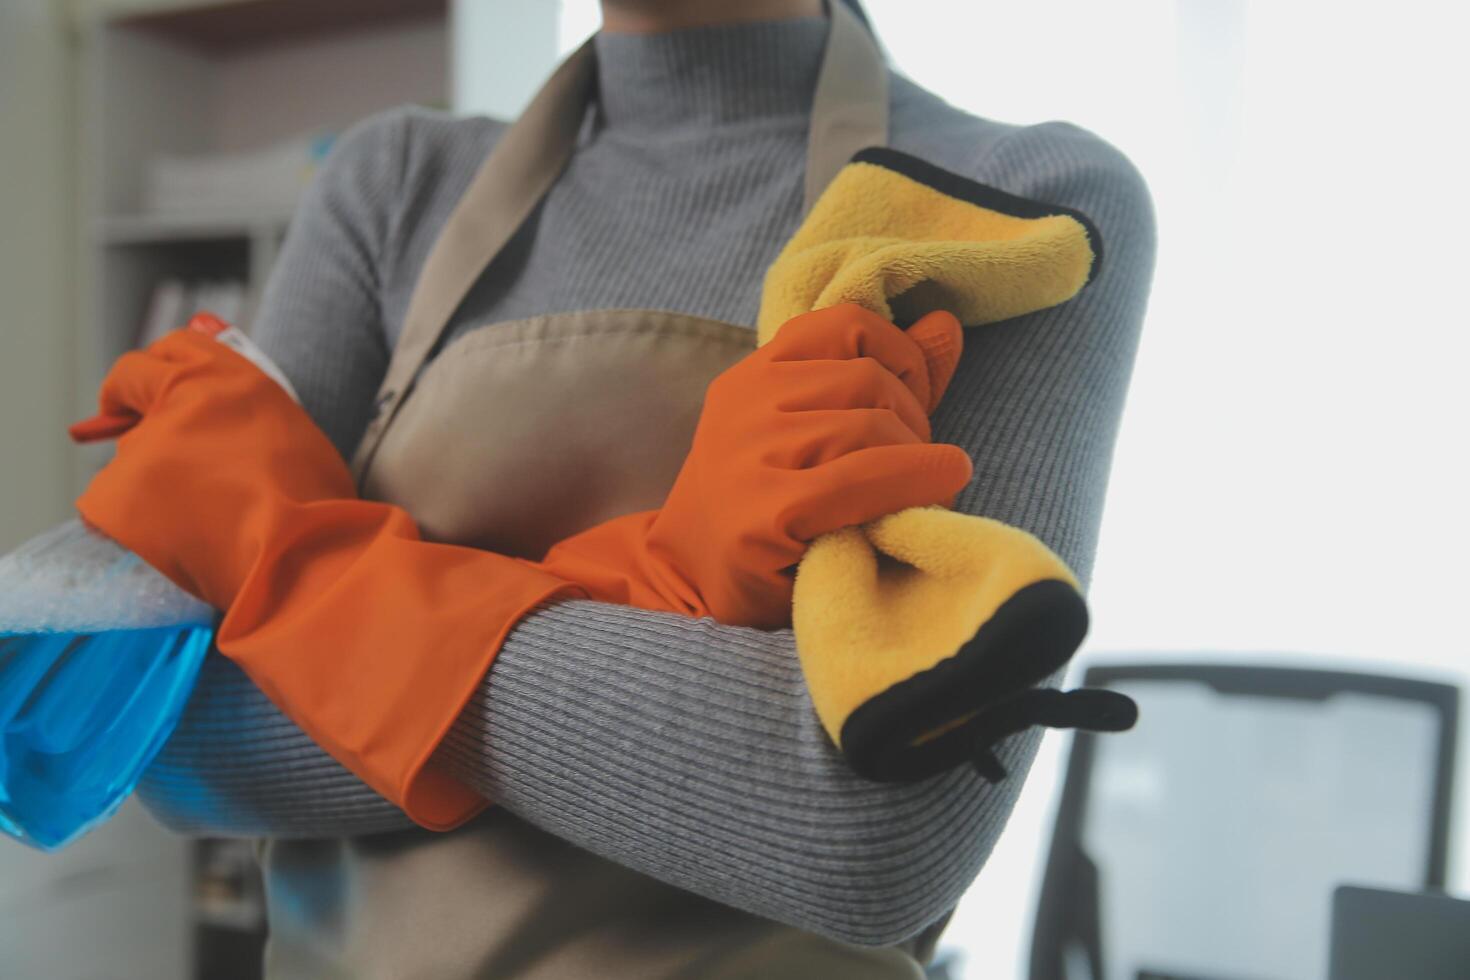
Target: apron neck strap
x,y
849,113
850,107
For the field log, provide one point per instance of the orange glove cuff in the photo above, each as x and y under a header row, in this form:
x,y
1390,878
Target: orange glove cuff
x,y
374,640
369,638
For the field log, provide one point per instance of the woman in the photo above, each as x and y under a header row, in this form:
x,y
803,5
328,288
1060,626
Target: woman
x,y
667,803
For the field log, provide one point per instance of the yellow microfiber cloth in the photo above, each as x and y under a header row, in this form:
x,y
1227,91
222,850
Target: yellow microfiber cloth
x,y
903,237
923,635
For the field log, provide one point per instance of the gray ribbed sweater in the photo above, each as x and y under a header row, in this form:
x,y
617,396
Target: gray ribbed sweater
x,y
683,749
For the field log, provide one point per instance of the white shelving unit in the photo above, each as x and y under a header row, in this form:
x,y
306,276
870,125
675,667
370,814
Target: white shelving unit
x,y
196,76
184,77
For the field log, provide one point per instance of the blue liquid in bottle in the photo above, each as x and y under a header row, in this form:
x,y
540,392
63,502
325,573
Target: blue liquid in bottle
x,y
81,717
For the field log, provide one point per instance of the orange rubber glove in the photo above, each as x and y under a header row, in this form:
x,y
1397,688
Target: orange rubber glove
x,y
825,427
369,638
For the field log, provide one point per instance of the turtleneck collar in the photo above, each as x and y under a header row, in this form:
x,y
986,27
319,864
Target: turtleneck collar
x,y
709,75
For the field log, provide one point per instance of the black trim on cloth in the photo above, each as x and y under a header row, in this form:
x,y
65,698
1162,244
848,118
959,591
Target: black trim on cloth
x,y
1030,637
982,195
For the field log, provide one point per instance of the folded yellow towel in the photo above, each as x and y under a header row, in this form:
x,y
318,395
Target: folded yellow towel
x,y
903,237
922,635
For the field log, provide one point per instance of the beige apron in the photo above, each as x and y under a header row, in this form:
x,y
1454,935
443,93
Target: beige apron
x,y
512,437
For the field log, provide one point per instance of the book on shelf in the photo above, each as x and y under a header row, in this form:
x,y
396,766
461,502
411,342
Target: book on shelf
x,y
268,179
225,299
165,310
175,300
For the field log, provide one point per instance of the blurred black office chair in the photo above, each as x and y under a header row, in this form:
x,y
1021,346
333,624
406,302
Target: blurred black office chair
x,y
1206,844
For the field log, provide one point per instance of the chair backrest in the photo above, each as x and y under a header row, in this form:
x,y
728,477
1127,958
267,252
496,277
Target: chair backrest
x,y
1206,843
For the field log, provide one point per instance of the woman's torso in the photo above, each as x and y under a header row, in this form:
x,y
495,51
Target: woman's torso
x,y
707,191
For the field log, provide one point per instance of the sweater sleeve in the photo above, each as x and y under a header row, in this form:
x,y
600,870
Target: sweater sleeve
x,y
689,751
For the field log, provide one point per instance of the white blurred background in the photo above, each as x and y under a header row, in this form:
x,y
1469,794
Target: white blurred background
x,y
1290,485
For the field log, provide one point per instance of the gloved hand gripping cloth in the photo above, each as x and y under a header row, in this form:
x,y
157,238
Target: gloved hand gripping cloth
x,y
825,427
923,634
